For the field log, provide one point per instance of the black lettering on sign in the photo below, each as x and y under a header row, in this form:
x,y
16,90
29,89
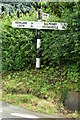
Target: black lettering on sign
x,y
31,24
57,27
45,23
20,22
52,23
24,22
63,25
20,25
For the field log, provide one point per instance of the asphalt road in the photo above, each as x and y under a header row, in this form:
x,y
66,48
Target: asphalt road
x,y
10,112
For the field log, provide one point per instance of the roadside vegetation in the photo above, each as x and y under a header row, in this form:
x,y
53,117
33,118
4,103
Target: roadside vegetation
x,y
37,91
43,90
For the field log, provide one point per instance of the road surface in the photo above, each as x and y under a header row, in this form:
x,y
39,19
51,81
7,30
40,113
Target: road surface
x,y
10,112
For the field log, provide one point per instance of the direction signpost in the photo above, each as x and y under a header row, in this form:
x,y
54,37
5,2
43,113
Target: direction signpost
x,y
39,25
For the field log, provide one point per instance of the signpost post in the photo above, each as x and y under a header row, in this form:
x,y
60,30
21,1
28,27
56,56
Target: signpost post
x,y
39,25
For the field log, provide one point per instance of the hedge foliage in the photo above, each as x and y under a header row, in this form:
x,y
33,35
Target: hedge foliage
x,y
57,47
18,7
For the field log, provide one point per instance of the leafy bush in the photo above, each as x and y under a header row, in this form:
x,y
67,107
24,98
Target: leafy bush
x,y
57,47
18,46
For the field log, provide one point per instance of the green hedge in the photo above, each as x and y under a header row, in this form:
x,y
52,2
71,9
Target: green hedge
x,y
57,47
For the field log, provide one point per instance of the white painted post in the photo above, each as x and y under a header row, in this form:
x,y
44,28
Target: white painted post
x,y
38,40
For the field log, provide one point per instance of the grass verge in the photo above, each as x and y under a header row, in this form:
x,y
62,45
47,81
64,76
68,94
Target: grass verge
x,y
36,91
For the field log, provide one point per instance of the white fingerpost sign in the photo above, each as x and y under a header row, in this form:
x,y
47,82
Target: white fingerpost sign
x,y
45,16
39,25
